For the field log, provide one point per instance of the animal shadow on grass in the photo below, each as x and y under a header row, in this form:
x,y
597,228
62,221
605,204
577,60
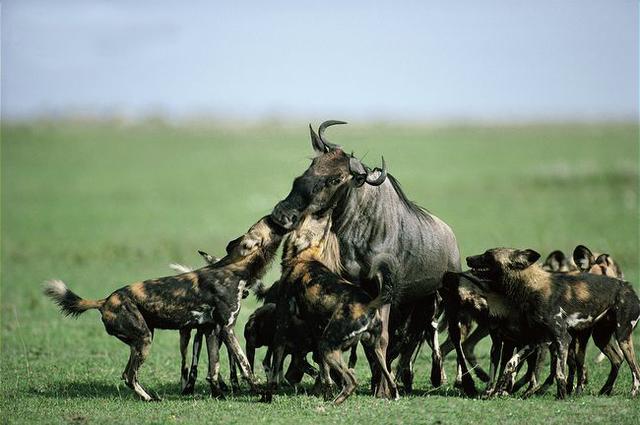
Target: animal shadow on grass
x,y
84,389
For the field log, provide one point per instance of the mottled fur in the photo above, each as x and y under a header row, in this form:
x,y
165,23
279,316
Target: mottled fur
x,y
205,298
335,312
557,304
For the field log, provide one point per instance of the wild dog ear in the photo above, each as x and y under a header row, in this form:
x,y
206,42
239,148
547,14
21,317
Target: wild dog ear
x,y
233,244
523,258
210,259
583,257
603,259
554,261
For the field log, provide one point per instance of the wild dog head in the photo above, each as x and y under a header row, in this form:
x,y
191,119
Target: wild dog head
x,y
557,262
256,248
331,173
497,263
312,239
602,264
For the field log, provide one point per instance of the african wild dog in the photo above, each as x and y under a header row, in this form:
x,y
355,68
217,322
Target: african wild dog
x,y
260,330
337,313
556,304
207,297
476,303
188,376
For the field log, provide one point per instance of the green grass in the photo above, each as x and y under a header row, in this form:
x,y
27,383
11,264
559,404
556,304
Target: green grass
x,y
100,205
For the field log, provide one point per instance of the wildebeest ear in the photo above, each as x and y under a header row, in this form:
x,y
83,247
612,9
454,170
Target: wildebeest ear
x,y
233,244
524,258
554,261
583,257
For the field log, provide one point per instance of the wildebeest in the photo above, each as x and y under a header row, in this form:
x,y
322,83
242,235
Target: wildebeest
x,y
205,298
372,215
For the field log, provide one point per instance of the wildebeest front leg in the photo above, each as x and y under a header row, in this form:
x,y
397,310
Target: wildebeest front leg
x,y
382,388
240,357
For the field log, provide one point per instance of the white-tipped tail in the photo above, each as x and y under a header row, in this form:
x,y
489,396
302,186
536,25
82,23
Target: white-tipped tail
x,y
180,268
55,289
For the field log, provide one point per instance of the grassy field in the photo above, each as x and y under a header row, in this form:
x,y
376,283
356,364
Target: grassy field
x,y
100,205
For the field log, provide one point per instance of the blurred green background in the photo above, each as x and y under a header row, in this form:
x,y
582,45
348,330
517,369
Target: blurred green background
x,y
100,204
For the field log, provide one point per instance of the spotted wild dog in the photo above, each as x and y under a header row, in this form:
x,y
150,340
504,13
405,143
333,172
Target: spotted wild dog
x,y
556,304
259,331
188,376
337,313
207,297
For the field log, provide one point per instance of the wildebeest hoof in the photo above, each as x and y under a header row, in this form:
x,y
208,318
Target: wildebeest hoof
x,y
188,389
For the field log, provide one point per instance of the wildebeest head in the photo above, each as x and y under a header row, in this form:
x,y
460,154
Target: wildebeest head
x,y
331,173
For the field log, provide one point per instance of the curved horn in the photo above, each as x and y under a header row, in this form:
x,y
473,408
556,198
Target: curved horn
x,y
322,128
317,144
381,178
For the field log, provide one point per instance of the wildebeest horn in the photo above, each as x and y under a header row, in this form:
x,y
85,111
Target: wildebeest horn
x,y
381,177
329,146
317,144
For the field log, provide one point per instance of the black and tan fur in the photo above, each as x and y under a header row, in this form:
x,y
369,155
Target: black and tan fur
x,y
557,304
205,298
337,313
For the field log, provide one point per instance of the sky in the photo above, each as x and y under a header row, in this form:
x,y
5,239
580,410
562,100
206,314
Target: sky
x,y
415,60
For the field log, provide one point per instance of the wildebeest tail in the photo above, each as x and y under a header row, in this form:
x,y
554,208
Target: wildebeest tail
x,y
382,268
70,303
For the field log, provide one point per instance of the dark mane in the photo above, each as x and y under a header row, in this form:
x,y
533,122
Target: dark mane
x,y
411,206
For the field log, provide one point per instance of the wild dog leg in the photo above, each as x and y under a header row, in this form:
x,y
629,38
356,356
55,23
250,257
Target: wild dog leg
x,y
580,353
496,349
185,336
233,374
193,373
463,379
139,352
383,390
510,368
626,345
536,363
243,363
213,350
353,356
437,367
602,339
333,359
560,347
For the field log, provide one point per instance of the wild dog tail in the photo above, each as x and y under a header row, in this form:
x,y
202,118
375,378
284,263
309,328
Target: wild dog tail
x,y
264,293
180,268
448,292
70,303
382,268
